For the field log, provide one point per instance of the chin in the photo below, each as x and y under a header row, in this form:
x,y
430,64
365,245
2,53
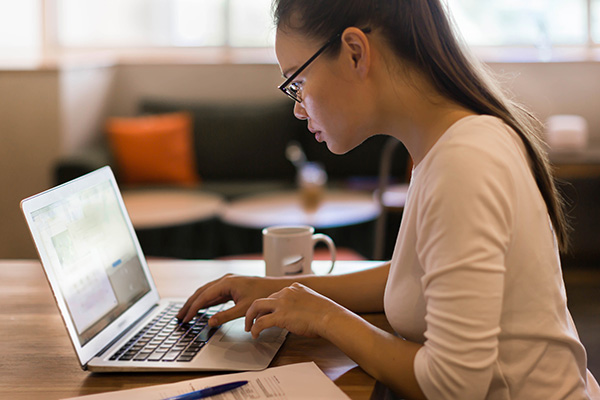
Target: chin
x,y
335,148
342,147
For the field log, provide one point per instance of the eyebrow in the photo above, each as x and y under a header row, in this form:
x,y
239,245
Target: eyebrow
x,y
287,72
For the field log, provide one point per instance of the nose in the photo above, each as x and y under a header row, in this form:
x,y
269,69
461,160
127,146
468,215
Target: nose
x,y
299,111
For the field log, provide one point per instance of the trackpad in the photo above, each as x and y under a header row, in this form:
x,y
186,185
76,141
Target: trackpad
x,y
234,332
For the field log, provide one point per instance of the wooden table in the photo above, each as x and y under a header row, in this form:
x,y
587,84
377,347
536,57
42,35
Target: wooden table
x,y
338,208
38,361
584,163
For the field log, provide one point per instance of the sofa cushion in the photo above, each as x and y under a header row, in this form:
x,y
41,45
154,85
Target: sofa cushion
x,y
239,142
153,149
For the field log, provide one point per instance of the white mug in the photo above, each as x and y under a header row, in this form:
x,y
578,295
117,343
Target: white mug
x,y
288,250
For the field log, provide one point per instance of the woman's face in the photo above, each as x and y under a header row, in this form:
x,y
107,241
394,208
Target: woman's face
x,y
332,102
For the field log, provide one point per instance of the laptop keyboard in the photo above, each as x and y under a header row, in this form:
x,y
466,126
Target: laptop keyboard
x,y
164,338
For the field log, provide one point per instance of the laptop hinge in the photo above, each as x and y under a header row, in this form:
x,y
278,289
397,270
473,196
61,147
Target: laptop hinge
x,y
125,331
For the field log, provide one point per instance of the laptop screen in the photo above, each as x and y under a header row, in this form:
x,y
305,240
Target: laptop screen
x,y
93,257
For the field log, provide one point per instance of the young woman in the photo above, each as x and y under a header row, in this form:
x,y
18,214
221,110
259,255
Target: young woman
x,y
474,289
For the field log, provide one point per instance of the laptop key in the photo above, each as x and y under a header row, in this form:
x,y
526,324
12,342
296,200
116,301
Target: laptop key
x,y
206,333
171,355
156,356
141,357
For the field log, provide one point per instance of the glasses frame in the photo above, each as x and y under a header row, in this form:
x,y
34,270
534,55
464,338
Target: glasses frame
x,y
284,87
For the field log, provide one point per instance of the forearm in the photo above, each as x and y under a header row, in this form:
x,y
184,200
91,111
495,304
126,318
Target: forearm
x,y
386,357
359,291
320,306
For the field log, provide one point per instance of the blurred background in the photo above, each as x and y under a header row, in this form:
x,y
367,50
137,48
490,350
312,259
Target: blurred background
x,y
68,65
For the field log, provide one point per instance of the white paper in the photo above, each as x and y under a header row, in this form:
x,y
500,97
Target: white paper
x,y
289,382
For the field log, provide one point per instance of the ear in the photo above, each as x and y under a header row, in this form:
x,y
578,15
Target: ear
x,y
356,46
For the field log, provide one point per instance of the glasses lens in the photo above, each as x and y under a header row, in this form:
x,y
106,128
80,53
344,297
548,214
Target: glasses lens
x,y
291,94
293,90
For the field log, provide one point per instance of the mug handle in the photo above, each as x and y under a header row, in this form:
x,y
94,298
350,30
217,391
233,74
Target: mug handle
x,y
319,237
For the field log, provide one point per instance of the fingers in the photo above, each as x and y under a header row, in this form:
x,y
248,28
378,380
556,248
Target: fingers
x,y
295,308
224,316
263,322
201,303
292,308
208,295
188,304
257,315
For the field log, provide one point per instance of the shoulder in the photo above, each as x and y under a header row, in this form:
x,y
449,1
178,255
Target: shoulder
x,y
473,166
465,188
474,147
477,136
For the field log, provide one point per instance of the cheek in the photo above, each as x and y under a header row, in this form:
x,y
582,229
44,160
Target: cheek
x,y
322,102
331,108
324,113
337,126
320,94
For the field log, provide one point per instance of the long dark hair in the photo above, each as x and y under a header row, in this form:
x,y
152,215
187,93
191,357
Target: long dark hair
x,y
421,33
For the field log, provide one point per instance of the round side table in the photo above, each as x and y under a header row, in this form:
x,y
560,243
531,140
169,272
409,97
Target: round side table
x,y
347,216
338,208
178,223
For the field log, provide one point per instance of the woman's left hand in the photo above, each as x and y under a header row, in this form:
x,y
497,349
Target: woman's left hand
x,y
296,308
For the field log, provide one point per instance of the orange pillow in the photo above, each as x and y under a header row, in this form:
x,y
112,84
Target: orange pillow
x,y
154,148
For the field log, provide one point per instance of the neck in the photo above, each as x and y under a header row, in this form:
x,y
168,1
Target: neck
x,y
419,136
417,115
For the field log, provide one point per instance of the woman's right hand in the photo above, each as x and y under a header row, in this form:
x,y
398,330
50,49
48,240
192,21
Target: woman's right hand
x,y
243,290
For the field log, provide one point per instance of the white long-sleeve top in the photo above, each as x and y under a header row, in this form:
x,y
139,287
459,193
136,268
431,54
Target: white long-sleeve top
x,y
476,275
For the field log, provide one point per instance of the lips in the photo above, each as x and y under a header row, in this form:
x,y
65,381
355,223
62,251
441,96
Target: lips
x,y
318,136
317,133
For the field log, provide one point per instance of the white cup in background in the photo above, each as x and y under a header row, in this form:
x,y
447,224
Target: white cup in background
x,y
288,250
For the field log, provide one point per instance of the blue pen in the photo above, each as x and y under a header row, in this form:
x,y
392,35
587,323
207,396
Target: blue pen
x,y
210,391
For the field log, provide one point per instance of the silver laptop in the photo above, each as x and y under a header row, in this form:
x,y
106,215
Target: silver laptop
x,y
107,298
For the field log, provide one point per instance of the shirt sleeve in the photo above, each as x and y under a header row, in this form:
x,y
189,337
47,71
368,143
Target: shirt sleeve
x,y
463,234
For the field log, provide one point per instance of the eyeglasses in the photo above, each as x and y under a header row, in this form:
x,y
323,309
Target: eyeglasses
x,y
293,89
